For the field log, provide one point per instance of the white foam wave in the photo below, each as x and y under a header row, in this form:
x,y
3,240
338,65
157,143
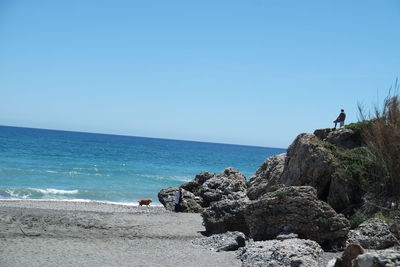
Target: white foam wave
x,y
55,191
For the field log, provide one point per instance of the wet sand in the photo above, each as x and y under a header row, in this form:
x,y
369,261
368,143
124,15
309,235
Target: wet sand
x,y
65,233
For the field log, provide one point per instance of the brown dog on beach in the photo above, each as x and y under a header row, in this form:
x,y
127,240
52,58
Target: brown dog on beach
x,y
145,201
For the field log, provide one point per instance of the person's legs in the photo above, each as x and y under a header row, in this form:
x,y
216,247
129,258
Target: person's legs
x,y
341,124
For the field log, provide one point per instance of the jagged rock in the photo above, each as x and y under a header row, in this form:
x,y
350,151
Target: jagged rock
x,y
349,254
195,185
345,138
222,242
205,189
190,203
308,162
295,209
373,234
382,258
286,253
225,215
230,185
266,177
322,133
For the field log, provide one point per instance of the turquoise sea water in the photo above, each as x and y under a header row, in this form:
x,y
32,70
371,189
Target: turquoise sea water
x,y
48,164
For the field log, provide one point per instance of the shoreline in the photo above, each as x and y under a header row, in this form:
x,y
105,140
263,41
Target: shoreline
x,y
66,233
80,201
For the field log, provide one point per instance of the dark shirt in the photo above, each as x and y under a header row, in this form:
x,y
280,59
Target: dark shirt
x,y
342,116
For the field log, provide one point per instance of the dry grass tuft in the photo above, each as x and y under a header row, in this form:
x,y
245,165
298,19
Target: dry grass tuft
x,y
382,136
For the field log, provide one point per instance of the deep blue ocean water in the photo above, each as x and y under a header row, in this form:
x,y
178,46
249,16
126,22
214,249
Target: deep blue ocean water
x,y
49,164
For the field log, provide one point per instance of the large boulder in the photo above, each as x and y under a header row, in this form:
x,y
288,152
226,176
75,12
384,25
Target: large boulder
x,y
222,242
266,177
228,185
166,197
205,189
285,253
309,162
373,234
225,215
345,138
190,203
296,209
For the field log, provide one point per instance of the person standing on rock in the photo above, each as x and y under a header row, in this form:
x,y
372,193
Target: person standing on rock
x,y
178,200
340,119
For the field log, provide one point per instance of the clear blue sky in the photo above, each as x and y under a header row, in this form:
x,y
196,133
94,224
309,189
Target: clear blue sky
x,y
243,72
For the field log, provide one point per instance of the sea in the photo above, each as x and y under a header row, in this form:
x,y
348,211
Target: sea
x,y
77,166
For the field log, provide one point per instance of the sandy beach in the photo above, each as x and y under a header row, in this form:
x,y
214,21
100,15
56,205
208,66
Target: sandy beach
x,y
66,233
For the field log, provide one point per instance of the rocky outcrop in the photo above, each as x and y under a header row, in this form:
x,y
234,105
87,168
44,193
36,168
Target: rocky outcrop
x,y
345,138
296,210
382,258
308,162
225,215
373,234
322,134
266,177
205,189
222,242
276,253
190,203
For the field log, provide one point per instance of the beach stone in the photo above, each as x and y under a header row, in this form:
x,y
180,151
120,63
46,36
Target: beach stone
x,y
296,209
266,177
225,215
222,242
345,138
373,234
308,162
285,253
378,258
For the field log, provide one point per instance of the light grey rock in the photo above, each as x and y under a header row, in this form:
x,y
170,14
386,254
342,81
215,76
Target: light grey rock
x,y
379,258
228,185
225,215
308,162
286,253
222,242
296,209
266,177
373,234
